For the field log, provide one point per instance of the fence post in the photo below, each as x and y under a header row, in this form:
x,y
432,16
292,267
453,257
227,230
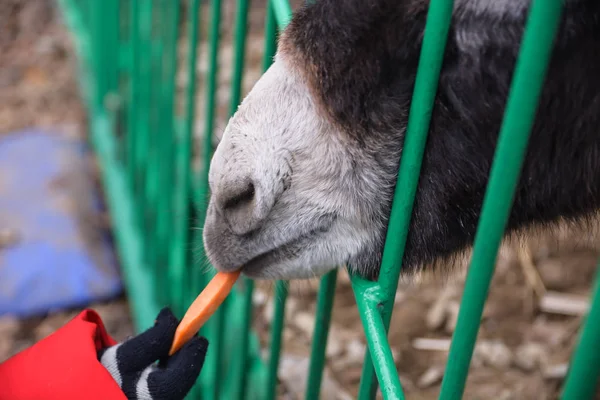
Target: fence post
x,y
527,82
426,82
321,331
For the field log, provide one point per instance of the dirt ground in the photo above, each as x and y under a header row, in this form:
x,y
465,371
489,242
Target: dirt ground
x,y
530,321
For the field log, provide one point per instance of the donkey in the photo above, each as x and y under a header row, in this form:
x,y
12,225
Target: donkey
x,y
304,176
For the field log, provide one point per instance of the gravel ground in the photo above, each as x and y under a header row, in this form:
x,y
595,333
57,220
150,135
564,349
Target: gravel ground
x,y
530,321
37,76
526,336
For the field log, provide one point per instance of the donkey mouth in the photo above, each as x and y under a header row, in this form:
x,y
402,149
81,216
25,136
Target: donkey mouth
x,y
261,265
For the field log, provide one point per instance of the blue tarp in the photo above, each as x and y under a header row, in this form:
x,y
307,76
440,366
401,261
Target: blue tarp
x,y
61,258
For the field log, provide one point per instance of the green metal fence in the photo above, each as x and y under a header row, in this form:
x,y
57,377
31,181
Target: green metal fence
x,y
128,61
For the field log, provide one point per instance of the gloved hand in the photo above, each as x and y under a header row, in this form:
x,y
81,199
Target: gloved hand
x,y
132,363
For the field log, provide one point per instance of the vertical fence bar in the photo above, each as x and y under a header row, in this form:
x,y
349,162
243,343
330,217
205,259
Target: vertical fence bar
x,y
152,176
142,145
283,12
242,358
281,293
86,11
156,150
426,82
143,133
582,379
526,86
110,29
319,341
166,136
215,325
196,274
213,72
115,15
182,200
98,17
110,33
122,81
241,19
134,87
368,299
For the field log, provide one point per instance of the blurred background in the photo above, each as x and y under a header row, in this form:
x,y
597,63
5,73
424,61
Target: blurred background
x,y
57,257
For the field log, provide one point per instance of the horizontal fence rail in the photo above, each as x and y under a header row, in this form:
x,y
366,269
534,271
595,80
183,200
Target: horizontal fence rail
x,y
128,54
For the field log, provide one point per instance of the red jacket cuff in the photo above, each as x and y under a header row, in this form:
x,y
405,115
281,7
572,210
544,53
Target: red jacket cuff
x,y
62,366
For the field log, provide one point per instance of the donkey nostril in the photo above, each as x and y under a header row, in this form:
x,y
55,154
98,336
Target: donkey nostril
x,y
242,204
244,195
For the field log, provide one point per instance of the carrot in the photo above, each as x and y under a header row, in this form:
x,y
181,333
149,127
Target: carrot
x,y
203,307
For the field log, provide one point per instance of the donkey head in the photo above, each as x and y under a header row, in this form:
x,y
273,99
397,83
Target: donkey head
x,y
303,178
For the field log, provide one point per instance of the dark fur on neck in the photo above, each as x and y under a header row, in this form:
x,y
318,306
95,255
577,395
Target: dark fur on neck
x,y
360,58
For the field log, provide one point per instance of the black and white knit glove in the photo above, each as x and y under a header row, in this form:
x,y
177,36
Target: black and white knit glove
x,y
132,363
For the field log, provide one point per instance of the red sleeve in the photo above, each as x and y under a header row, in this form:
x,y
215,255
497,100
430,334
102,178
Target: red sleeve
x,y
63,366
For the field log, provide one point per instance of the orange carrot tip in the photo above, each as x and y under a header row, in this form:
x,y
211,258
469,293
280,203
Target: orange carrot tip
x,y
205,305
